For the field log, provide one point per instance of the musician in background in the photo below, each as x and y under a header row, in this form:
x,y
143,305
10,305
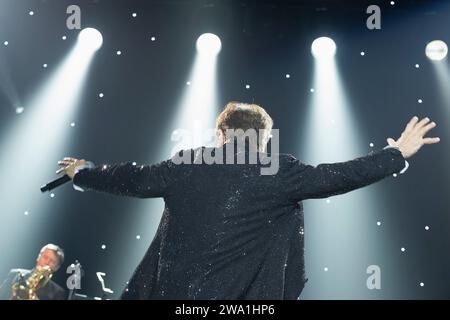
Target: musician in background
x,y
16,286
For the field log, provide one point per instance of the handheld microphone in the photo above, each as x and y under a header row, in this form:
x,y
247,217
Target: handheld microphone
x,y
55,183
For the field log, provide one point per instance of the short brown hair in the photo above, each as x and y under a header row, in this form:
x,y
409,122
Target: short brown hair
x,y
238,115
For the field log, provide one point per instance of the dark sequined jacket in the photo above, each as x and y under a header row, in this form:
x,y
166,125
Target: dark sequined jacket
x,y
228,232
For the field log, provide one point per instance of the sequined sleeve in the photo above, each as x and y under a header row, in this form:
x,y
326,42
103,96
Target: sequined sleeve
x,y
146,181
325,180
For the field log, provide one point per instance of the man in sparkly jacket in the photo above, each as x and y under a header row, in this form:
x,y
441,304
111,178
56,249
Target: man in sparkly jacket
x,y
229,231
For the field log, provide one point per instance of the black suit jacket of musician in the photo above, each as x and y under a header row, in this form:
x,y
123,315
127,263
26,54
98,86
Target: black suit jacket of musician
x,y
228,232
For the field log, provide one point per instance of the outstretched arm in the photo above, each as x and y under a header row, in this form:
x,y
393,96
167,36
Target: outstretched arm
x,y
121,179
326,180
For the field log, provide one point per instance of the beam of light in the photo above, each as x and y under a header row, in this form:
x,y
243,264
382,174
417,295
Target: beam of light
x,y
192,126
337,229
323,48
7,85
442,70
436,50
198,107
30,151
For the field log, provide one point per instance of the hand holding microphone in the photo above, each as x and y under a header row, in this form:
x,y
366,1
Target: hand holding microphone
x,y
68,165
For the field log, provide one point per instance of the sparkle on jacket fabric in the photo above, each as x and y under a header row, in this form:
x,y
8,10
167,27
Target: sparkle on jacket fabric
x,y
228,232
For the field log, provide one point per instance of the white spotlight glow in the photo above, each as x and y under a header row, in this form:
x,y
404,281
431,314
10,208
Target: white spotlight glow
x,y
323,48
209,44
436,50
90,39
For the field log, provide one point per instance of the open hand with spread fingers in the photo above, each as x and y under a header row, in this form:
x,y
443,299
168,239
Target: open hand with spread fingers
x,y
413,137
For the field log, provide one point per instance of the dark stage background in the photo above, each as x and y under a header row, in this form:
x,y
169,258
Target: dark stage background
x,y
262,41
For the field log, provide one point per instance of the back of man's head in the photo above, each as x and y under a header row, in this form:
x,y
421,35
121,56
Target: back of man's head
x,y
237,115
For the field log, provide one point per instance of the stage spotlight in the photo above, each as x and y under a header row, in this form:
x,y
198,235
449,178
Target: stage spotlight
x,y
436,50
20,110
323,48
90,39
209,44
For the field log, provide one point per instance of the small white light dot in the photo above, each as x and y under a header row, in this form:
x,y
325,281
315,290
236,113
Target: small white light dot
x,y
105,167
419,100
64,37
153,38
392,3
188,83
403,249
72,124
6,43
52,195
421,284
45,65
138,237
371,145
311,90
119,53
325,269
20,110
31,13
134,14
25,213
247,86
101,95
363,53
417,66
134,163
394,175
378,223
103,246
328,200
427,228
288,76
